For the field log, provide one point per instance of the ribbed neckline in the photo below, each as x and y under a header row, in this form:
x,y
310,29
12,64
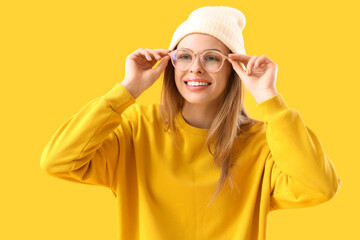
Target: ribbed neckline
x,y
186,126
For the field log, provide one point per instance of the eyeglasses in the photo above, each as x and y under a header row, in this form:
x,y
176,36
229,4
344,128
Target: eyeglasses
x,y
211,60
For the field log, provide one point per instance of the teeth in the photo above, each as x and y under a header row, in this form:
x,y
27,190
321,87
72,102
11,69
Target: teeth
x,y
197,84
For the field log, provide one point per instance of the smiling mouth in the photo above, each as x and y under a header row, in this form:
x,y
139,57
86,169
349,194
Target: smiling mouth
x,y
196,84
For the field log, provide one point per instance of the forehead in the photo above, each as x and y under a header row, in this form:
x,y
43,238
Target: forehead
x,y
201,42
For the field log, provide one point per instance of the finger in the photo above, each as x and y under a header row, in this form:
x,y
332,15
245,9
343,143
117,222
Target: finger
x,y
162,65
153,54
147,55
260,61
240,57
138,53
162,51
251,64
237,67
158,53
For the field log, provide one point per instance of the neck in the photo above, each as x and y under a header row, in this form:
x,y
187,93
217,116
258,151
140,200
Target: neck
x,y
199,115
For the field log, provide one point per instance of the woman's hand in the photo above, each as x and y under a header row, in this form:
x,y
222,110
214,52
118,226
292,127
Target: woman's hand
x,y
139,72
260,77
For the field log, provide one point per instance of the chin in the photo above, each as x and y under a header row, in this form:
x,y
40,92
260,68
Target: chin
x,y
196,100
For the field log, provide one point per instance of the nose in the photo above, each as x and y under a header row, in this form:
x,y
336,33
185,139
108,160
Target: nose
x,y
196,66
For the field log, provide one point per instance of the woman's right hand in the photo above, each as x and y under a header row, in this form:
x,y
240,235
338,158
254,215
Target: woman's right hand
x,y
139,72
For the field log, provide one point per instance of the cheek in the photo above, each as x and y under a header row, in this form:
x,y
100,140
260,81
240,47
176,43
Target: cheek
x,y
224,75
228,68
178,77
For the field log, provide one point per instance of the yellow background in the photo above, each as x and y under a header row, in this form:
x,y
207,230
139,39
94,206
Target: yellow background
x,y
57,55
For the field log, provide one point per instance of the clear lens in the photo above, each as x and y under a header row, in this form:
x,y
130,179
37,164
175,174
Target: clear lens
x,y
182,59
211,60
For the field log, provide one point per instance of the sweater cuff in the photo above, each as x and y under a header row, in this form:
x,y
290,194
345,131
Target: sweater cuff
x,y
119,98
272,106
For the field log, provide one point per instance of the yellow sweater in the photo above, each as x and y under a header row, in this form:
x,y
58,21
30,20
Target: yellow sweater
x,y
163,191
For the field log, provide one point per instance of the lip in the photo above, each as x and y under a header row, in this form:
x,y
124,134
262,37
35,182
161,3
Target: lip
x,y
196,88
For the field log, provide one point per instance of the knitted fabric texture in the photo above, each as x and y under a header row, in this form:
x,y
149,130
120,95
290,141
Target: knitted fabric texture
x,y
224,23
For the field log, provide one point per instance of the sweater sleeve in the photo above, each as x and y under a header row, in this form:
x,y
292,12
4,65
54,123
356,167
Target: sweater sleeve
x,y
87,147
302,175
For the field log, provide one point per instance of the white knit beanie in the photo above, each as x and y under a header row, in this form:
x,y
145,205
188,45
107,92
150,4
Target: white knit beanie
x,y
224,23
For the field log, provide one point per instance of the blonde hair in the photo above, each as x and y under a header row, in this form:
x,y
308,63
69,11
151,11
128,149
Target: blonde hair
x,y
229,123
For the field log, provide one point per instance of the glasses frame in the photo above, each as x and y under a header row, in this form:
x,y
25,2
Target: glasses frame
x,y
200,55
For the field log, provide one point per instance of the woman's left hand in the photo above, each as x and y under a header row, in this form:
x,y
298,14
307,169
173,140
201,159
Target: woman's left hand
x,y
260,77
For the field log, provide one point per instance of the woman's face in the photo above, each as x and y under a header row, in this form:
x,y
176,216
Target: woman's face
x,y
210,94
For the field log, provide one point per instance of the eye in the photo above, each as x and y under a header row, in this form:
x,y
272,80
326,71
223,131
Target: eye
x,y
211,58
184,56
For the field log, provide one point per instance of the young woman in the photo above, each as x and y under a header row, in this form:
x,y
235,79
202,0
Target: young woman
x,y
165,162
